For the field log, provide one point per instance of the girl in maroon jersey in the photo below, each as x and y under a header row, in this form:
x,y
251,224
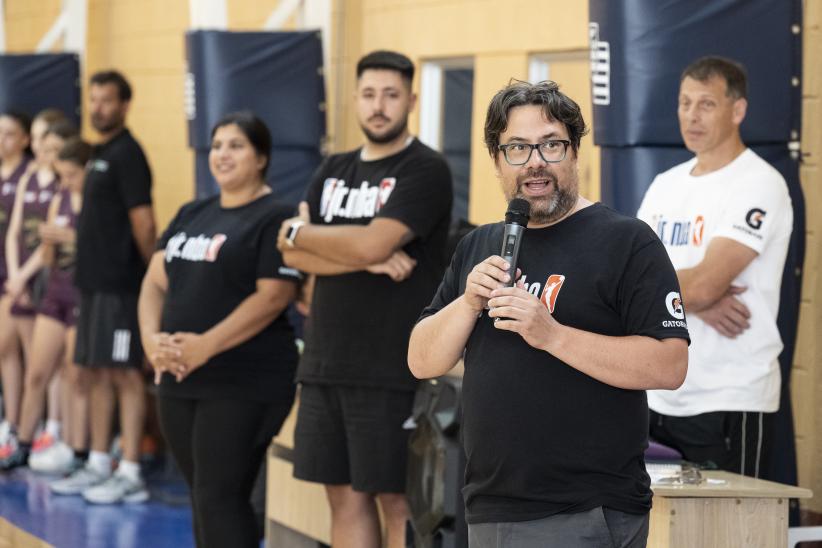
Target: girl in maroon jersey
x,y
31,203
54,326
14,161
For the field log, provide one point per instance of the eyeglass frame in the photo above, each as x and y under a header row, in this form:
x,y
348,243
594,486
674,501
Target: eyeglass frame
x,y
504,148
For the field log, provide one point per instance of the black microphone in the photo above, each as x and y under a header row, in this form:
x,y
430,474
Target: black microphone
x,y
516,219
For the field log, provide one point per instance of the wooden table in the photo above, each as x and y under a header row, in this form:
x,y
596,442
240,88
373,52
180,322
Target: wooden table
x,y
742,512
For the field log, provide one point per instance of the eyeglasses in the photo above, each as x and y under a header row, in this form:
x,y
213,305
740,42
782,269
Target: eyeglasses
x,y
518,154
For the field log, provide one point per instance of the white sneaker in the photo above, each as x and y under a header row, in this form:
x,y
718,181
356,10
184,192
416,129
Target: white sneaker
x,y
117,488
57,458
9,445
5,430
80,480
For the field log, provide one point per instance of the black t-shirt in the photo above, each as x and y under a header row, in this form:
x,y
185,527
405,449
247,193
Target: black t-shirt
x,y
357,333
541,437
118,180
213,259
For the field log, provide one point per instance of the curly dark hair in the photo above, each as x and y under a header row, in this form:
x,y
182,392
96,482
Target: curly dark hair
x,y
555,104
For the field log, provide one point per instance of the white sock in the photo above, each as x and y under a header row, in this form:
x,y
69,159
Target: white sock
x,y
53,428
99,462
129,469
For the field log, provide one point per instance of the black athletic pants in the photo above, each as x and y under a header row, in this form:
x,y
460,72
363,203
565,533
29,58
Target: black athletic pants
x,y
219,446
736,441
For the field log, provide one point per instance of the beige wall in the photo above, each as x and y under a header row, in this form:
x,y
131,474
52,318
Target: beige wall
x,y
807,375
144,38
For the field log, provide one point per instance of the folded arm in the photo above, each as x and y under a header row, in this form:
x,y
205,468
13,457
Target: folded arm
x,y
710,280
349,245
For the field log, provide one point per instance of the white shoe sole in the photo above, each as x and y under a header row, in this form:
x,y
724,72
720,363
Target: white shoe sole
x,y
52,473
68,492
134,498
72,491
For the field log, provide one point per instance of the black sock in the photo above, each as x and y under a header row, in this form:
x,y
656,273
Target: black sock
x,y
81,454
25,451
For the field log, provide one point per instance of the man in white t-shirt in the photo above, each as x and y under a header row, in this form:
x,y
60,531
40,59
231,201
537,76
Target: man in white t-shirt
x,y
725,218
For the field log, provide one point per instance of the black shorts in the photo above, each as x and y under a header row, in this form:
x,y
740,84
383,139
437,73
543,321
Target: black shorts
x,y
736,441
107,331
353,435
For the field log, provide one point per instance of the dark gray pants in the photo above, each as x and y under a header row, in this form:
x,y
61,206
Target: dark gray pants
x,y
597,528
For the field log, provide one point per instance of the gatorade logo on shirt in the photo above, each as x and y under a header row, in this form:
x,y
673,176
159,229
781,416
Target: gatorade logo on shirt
x,y
340,201
196,248
755,217
673,302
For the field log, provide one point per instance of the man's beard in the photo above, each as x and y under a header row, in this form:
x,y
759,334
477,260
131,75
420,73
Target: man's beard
x,y
105,125
390,134
551,208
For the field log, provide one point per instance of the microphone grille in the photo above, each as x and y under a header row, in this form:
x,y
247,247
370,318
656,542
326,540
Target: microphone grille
x,y
519,211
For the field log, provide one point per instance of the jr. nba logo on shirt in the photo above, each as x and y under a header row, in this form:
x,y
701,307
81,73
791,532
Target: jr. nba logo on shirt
x,y
195,248
550,291
386,187
679,232
341,201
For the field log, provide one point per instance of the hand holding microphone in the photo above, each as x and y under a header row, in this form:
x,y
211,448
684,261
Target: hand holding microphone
x,y
516,220
499,270
512,307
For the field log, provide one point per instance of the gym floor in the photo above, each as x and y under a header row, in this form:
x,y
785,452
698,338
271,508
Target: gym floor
x,y
70,522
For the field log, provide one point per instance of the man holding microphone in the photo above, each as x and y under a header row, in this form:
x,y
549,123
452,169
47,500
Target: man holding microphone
x,y
555,414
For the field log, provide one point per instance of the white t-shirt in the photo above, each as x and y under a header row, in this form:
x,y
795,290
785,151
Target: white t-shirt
x,y
746,201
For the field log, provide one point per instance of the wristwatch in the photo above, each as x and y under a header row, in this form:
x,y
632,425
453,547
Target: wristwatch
x,y
292,233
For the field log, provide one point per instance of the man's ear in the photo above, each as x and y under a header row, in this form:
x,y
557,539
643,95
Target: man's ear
x,y
740,108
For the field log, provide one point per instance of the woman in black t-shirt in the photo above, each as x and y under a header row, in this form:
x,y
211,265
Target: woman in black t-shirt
x,y
212,323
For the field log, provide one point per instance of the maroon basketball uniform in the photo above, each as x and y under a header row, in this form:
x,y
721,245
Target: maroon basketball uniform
x,y
36,202
8,190
61,300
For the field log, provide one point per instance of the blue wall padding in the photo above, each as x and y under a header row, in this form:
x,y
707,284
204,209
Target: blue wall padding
x,y
33,82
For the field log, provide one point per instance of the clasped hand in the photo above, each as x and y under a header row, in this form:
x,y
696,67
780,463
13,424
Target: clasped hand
x,y
16,289
51,233
178,354
513,308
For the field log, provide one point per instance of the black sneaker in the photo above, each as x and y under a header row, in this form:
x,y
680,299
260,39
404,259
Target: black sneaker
x,y
19,457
